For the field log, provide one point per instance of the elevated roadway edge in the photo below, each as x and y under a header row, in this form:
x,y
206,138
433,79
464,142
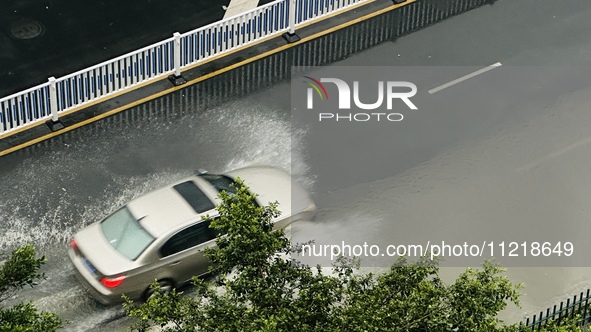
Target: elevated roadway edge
x,y
205,70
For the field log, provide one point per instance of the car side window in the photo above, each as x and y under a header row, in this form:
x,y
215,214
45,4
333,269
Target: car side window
x,y
189,237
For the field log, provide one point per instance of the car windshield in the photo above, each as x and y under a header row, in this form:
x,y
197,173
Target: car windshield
x,y
125,234
220,182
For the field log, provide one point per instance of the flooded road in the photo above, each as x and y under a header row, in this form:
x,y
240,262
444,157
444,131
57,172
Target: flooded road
x,y
84,180
521,156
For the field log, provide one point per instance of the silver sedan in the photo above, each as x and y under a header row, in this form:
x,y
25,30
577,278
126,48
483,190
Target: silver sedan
x,y
161,235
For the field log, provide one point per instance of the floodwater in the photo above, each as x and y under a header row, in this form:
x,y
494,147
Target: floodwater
x,y
49,196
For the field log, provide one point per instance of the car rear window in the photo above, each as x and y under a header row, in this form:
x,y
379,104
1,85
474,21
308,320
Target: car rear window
x,y
124,232
220,182
194,196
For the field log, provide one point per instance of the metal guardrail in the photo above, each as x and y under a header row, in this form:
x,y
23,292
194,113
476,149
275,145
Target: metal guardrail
x,y
577,309
24,108
48,100
114,75
233,32
268,71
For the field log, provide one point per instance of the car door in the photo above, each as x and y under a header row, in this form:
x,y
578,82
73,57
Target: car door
x,y
182,255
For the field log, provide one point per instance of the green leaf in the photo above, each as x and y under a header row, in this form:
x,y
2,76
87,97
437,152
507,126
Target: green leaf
x,y
257,290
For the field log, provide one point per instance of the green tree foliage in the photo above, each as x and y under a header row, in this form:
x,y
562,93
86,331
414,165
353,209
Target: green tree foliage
x,y
258,289
21,270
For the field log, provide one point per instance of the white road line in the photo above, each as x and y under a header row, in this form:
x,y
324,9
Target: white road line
x,y
465,77
239,6
553,155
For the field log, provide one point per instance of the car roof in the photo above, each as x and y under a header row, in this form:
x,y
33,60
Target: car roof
x,y
181,203
173,206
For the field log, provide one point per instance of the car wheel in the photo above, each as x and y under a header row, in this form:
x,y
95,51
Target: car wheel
x,y
166,286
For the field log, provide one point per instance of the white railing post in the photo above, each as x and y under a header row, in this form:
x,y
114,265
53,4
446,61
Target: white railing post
x,y
53,124
292,16
177,54
290,35
176,78
53,99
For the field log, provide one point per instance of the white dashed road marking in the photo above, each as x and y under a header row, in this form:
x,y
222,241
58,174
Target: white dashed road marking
x,y
465,77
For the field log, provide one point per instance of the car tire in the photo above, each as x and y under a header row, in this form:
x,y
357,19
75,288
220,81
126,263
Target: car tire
x,y
165,284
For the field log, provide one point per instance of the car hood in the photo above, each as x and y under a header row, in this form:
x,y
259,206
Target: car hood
x,y
94,246
272,184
